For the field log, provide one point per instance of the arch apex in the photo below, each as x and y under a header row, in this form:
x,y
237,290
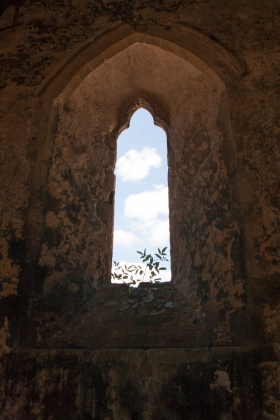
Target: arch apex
x,y
204,53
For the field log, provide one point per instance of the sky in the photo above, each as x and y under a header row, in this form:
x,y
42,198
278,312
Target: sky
x,y
141,200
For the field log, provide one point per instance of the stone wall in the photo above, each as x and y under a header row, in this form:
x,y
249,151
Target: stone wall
x,y
138,384
72,72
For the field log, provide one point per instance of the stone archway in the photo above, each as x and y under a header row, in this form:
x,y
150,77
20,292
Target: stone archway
x,y
204,53
73,236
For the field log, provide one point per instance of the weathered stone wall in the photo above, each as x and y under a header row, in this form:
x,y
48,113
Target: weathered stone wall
x,y
57,155
137,384
78,197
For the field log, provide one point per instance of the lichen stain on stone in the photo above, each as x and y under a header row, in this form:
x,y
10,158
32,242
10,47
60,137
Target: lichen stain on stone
x,y
4,335
271,380
9,281
221,380
272,322
14,189
220,266
216,232
78,185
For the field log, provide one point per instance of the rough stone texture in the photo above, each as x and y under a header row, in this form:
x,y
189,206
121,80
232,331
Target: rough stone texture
x,y
66,92
138,384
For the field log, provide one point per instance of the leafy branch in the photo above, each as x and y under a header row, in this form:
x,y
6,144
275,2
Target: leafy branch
x,y
134,274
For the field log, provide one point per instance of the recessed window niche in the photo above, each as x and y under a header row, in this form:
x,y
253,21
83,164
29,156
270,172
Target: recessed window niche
x,y
204,211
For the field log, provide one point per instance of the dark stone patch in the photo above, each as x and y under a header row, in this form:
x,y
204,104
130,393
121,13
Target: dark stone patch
x,y
72,211
55,300
12,307
16,252
66,174
246,379
111,198
103,210
221,295
41,274
92,383
66,297
222,314
132,399
187,393
96,225
52,237
61,402
275,200
237,255
266,289
49,202
92,169
247,327
203,290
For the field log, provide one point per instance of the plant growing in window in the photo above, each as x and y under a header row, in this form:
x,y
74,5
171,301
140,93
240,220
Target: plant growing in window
x,y
149,270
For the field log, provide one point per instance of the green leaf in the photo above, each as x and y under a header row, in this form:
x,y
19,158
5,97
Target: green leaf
x,y
164,249
162,268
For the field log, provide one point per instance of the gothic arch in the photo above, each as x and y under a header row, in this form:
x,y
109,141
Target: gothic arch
x,y
180,107
201,51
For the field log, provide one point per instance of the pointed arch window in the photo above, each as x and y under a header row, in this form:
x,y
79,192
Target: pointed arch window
x,y
141,218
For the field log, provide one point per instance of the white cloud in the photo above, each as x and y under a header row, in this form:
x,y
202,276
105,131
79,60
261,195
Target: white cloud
x,y
159,233
122,238
165,275
148,205
134,165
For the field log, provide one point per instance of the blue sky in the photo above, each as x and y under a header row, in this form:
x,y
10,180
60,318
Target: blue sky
x,y
141,201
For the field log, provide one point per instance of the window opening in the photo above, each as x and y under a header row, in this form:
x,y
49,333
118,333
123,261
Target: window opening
x,y
141,218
